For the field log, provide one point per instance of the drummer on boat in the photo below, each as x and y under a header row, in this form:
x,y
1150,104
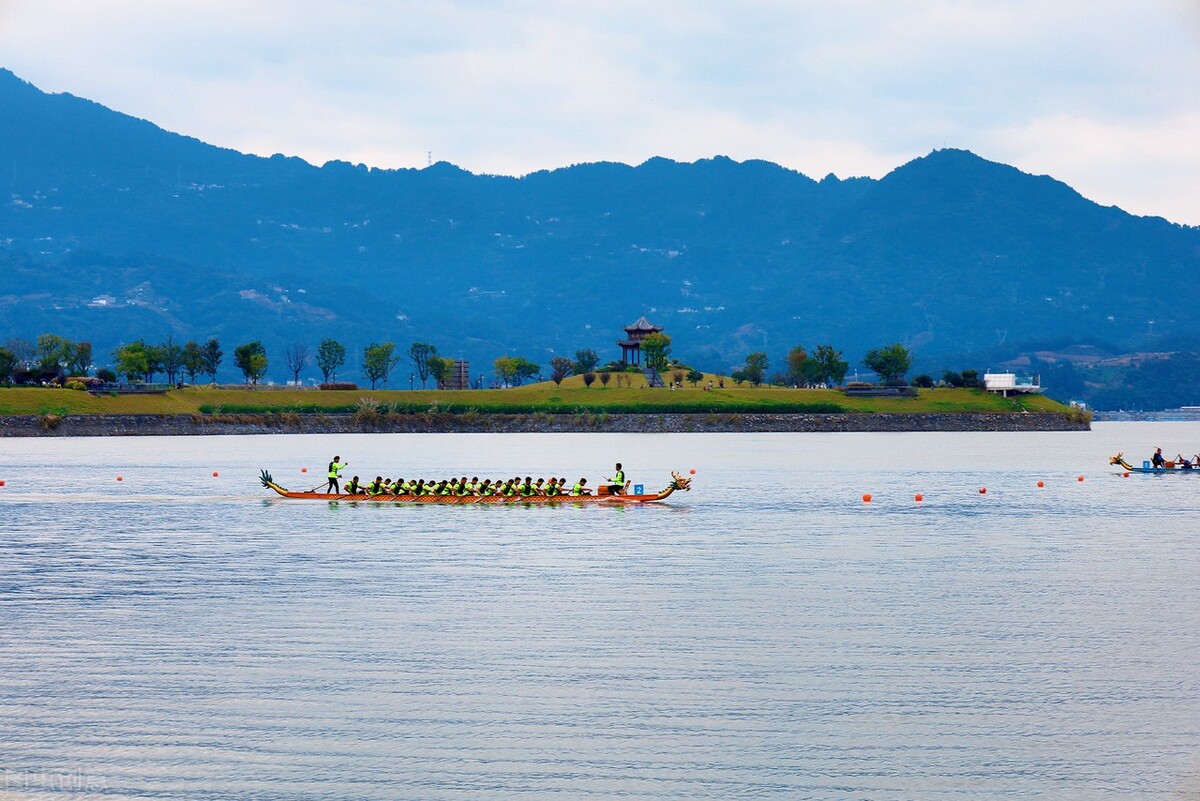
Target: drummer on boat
x,y
616,484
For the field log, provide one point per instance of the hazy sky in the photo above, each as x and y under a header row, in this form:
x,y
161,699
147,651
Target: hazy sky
x,y
1102,94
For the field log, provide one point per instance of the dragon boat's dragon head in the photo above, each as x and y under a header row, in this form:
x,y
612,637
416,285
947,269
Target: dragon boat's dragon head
x,y
1119,459
680,483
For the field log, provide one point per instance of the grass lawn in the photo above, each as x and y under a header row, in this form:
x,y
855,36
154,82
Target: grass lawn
x,y
571,396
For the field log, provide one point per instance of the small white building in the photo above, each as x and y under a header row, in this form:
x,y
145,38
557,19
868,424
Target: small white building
x,y
1005,383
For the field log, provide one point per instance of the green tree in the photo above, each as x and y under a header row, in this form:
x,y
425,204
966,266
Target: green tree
x,y
53,352
585,361
80,360
8,365
560,368
378,360
695,377
330,356
212,354
154,361
251,359
756,368
525,370
421,353
440,370
831,368
193,360
514,370
891,362
172,359
656,350
506,369
738,376
131,360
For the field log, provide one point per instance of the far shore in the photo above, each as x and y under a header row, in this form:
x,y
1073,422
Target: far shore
x,y
544,407
538,423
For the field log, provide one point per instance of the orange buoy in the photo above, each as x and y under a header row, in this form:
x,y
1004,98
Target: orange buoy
x,y
303,469
215,474
120,478
692,471
866,497
1126,476
1,483
983,490
1041,484
918,497
1079,478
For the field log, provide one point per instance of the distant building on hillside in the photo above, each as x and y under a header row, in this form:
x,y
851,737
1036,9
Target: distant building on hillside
x,y
631,346
459,376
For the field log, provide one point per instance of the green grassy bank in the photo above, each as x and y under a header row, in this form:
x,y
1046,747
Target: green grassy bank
x,y
571,397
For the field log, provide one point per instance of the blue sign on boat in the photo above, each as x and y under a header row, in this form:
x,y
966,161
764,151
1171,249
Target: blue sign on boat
x,y
639,489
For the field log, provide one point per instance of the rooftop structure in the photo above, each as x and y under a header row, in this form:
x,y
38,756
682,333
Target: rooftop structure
x,y
1004,383
631,346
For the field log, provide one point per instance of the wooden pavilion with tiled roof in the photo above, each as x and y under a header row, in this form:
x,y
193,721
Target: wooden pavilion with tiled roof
x,y
631,346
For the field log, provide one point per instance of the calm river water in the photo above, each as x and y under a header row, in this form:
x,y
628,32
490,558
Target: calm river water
x,y
769,635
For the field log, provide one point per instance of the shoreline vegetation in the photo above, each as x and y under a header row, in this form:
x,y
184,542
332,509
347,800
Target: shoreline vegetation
x,y
536,407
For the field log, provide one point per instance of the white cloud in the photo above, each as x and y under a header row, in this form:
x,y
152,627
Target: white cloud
x,y
1132,164
511,86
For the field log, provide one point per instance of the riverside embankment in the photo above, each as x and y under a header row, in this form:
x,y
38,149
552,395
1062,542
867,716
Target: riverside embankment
x,y
93,425
536,408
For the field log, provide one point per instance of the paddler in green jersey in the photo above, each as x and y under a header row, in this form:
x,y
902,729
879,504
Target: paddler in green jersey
x,y
580,488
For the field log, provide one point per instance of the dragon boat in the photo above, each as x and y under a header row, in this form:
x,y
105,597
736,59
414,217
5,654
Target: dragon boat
x,y
1148,468
678,483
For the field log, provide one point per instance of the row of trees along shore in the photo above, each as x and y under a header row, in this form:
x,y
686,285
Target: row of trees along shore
x,y
140,361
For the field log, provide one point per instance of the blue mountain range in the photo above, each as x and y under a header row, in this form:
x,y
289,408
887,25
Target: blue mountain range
x,y
113,229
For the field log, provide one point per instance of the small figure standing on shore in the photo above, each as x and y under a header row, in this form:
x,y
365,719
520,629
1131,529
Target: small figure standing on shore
x,y
335,467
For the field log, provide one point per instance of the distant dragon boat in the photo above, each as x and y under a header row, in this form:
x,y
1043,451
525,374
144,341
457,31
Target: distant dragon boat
x,y
1148,469
678,483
